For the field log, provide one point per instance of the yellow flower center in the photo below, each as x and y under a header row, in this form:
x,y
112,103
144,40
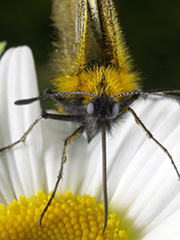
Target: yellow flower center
x,y
68,217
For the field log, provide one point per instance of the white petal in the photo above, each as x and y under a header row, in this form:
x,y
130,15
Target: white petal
x,y
168,229
55,132
16,70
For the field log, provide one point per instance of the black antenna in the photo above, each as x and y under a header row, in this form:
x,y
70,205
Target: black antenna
x,y
47,95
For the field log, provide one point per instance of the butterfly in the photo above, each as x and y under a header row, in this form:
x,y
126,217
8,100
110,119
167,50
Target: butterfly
x,y
94,82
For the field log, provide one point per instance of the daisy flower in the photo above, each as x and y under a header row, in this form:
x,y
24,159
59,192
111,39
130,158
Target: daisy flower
x,y
143,189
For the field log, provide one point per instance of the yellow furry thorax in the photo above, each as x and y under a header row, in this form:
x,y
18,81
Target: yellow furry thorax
x,y
98,81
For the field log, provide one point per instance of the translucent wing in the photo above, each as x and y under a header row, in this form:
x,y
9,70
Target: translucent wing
x,y
108,34
70,19
89,33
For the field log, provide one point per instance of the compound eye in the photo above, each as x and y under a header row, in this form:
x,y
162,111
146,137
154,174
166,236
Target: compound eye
x,y
90,109
115,110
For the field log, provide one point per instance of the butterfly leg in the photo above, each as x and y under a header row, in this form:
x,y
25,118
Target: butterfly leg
x,y
68,141
24,136
149,134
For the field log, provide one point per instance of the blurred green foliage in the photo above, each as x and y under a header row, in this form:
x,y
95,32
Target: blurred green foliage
x,y
2,47
151,29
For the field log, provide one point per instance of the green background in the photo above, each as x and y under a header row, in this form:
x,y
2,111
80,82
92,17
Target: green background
x,y
151,29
